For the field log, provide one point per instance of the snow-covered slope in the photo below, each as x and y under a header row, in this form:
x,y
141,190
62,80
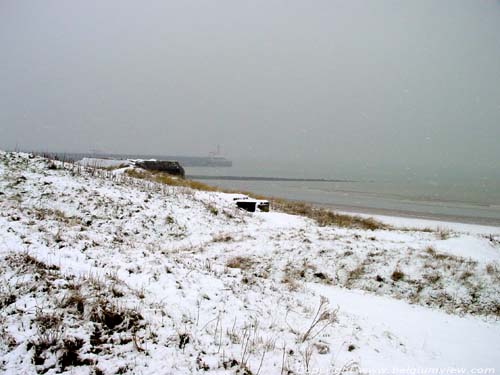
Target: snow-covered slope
x,y
102,273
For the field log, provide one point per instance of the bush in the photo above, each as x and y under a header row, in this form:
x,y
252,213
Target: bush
x,y
397,275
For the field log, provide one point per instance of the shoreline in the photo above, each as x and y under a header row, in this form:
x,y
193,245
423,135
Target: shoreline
x,y
387,212
462,215
406,214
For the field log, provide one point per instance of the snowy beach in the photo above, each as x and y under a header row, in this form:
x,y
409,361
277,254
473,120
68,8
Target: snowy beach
x,y
103,273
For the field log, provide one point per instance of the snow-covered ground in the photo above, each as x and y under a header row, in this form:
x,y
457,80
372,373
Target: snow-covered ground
x,y
105,274
103,163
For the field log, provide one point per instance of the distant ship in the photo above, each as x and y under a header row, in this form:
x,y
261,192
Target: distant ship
x,y
216,160
211,161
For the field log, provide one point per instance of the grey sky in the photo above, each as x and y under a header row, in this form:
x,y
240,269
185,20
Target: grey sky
x,y
351,83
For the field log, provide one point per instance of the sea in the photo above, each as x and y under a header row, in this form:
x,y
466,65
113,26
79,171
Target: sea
x,y
438,196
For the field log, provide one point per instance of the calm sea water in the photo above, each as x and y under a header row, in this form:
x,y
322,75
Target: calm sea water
x,y
464,200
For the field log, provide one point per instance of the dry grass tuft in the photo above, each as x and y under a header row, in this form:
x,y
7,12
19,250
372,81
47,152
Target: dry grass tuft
x,y
493,270
443,233
439,256
304,271
222,238
355,274
113,317
432,277
243,263
397,275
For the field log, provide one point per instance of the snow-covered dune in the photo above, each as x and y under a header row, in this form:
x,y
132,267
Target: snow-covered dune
x,y
104,163
101,273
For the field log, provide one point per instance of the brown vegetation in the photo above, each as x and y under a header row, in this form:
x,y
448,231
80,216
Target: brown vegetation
x,y
323,216
397,275
165,178
243,263
86,300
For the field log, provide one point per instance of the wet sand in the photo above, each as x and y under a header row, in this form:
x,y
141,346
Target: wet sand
x,y
411,214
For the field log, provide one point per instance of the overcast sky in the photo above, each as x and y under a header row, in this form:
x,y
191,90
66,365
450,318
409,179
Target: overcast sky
x,y
353,83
